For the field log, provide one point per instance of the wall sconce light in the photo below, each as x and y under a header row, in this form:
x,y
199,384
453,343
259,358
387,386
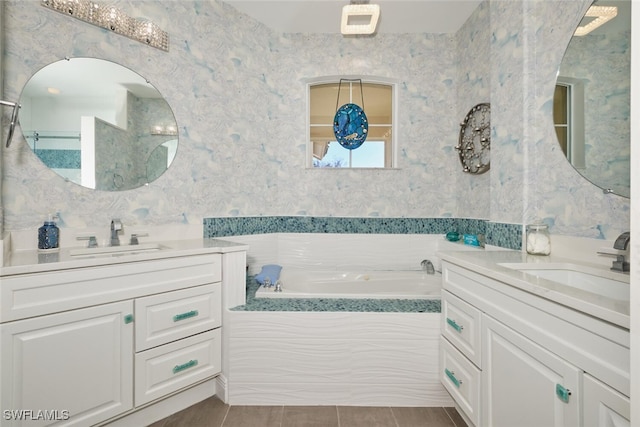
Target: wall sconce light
x,y
112,19
359,18
602,14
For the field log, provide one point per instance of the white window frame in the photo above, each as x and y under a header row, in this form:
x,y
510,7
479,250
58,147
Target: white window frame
x,y
394,117
575,118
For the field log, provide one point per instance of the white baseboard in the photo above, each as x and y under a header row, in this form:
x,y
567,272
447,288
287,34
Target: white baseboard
x,y
222,388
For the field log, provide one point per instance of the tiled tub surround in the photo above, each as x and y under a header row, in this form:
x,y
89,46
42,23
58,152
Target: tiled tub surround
x,y
336,304
497,234
335,351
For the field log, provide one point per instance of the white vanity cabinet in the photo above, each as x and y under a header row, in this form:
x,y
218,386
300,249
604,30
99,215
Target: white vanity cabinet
x,y
93,344
73,363
604,406
524,384
511,358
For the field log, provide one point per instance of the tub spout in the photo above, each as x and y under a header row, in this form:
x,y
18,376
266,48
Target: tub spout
x,y
428,266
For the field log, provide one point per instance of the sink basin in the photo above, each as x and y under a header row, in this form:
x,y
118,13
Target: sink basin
x,y
604,283
116,250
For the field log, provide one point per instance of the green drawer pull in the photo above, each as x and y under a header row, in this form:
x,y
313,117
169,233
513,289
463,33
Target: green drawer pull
x,y
456,382
190,364
454,325
563,393
128,319
187,315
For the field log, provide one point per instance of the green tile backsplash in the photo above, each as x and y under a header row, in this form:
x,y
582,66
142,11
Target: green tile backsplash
x,y
498,234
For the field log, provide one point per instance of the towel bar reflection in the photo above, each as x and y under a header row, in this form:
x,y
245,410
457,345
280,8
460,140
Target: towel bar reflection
x,y
14,119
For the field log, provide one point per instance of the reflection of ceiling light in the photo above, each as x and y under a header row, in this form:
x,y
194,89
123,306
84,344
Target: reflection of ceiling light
x,y
359,18
53,91
601,14
164,130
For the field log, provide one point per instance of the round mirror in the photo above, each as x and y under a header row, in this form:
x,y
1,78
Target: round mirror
x,y
98,124
591,104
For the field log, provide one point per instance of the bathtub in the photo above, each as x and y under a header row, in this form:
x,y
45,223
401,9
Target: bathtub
x,y
403,284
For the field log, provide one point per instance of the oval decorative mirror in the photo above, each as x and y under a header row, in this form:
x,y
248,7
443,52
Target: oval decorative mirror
x,y
98,124
591,104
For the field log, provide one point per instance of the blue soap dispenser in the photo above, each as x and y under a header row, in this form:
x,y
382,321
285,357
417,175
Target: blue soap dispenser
x,y
48,235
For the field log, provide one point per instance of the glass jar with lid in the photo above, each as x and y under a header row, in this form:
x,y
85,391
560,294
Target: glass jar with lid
x,y
538,239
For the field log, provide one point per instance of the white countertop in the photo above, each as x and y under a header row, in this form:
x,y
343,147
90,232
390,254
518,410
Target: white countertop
x,y
35,261
487,263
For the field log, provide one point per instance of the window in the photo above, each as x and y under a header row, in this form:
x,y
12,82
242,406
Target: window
x,y
378,104
568,117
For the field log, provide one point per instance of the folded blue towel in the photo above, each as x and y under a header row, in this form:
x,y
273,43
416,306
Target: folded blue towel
x,y
272,271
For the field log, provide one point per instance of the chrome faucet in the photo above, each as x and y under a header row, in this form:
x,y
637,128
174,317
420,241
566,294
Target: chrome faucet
x,y
116,226
428,266
621,244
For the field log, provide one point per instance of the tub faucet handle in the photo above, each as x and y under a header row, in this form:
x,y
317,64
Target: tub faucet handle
x,y
428,266
278,286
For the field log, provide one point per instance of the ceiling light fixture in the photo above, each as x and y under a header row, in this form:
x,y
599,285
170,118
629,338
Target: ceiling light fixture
x,y
359,18
602,14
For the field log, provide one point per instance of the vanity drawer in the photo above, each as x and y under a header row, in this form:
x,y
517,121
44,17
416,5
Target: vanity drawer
x,y
175,315
461,379
461,326
168,368
30,295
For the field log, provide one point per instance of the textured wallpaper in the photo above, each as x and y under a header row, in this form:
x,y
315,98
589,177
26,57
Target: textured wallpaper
x,y
473,86
238,94
530,178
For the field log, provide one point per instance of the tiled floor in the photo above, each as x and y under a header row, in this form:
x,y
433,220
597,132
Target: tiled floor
x,y
213,413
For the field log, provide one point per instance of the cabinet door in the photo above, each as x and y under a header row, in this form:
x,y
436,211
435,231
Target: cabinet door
x,y
524,384
604,406
77,366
